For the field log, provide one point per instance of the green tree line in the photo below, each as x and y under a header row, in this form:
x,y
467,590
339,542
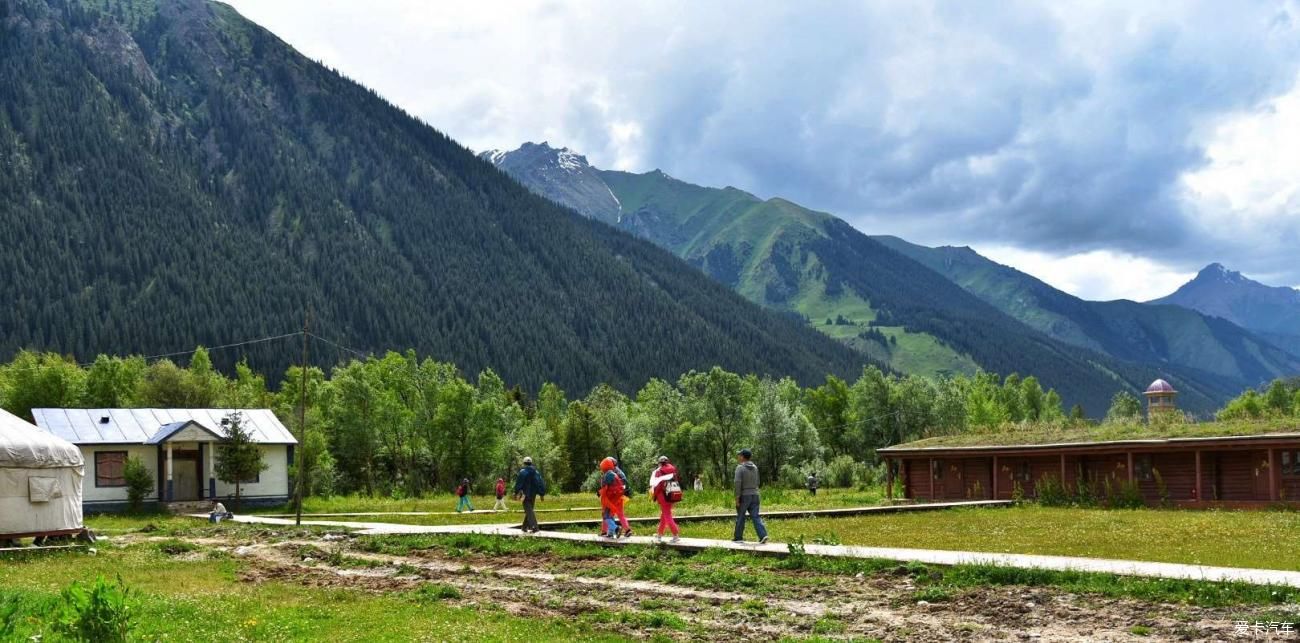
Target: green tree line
x,y
402,425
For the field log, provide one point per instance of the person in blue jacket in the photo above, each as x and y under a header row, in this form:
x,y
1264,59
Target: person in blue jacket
x,y
530,486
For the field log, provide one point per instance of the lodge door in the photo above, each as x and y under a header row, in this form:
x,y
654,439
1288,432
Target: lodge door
x,y
954,487
1261,473
185,475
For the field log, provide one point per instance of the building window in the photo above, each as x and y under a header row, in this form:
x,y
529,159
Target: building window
x,y
936,469
110,468
1290,463
1022,472
1142,468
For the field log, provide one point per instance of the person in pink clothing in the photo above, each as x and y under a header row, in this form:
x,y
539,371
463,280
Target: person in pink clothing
x,y
666,490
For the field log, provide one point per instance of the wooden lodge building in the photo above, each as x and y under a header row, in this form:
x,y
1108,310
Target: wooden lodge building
x,y
1205,470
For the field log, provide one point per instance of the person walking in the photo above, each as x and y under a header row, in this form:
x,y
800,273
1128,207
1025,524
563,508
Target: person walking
x,y
666,490
530,486
699,482
463,493
747,497
812,483
612,494
501,495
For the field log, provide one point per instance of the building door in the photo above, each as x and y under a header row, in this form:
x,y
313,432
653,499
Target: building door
x,y
185,475
954,485
1262,471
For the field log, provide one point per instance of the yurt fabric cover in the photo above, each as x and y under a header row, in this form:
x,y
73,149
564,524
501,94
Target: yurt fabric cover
x,y
40,479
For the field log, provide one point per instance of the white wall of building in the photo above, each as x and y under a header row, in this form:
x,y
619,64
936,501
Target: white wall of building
x,y
273,482
91,493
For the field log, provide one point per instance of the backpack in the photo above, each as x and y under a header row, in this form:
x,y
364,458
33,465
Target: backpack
x,y
616,488
461,490
622,479
673,490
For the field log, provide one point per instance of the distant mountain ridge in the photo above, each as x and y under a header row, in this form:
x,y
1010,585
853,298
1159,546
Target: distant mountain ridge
x,y
1151,333
851,286
1273,311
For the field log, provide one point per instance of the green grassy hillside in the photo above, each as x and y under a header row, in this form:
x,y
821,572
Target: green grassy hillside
x,y
1162,334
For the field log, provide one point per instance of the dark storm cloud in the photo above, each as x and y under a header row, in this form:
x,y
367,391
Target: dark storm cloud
x,y
1052,127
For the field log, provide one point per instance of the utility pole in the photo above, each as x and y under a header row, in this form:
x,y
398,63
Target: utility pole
x,y
302,422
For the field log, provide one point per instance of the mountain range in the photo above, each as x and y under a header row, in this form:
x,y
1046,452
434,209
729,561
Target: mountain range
x,y
1152,333
1271,311
172,174
921,310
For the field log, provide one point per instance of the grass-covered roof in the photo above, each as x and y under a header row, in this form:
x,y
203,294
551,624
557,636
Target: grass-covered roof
x,y
1045,434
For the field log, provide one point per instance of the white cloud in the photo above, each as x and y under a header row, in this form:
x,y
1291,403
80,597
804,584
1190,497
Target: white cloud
x,y
1100,275
1252,158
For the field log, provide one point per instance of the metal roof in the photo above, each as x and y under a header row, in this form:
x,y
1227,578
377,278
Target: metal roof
x,y
143,426
1160,386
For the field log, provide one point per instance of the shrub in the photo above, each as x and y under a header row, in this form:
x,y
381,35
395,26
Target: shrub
x,y
1162,491
1017,492
1127,495
796,476
844,471
1052,492
436,592
139,482
101,613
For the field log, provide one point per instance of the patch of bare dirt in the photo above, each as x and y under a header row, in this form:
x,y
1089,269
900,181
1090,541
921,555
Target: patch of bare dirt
x,y
603,590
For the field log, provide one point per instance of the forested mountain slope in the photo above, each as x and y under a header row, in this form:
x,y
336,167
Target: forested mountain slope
x,y
843,282
1162,334
1271,311
171,173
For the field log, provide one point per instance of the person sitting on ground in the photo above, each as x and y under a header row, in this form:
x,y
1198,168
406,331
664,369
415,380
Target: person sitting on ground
x,y
219,512
699,482
612,498
812,483
463,493
666,490
501,495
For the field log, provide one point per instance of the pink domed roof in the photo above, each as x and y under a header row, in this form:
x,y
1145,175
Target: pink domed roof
x,y
1160,386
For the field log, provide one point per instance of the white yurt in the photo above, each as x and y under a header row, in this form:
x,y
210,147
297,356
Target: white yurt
x,y
40,482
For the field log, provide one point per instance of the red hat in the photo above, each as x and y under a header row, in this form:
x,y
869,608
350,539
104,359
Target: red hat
x,y
607,464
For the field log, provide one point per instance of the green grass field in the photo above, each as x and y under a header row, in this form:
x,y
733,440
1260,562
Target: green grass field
x,y
1262,539
190,583
204,600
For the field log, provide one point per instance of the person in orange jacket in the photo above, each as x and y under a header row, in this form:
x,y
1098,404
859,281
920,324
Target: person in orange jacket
x,y
612,499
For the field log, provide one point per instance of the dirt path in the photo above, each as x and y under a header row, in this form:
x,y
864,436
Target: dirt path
x,y
608,592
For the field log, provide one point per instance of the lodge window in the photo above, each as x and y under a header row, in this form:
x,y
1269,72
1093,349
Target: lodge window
x,y
1142,468
936,469
1022,472
110,468
1290,463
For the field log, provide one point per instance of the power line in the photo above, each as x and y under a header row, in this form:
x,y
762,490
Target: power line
x,y
341,346
896,414
147,358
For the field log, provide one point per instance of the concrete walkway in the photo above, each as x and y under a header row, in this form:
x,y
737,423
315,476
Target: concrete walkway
x,y
430,513
931,556
798,513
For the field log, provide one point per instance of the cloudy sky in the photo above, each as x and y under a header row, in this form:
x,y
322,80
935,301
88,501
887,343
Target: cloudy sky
x,y
1111,149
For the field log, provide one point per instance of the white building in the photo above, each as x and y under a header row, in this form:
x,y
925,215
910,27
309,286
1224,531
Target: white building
x,y
176,445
